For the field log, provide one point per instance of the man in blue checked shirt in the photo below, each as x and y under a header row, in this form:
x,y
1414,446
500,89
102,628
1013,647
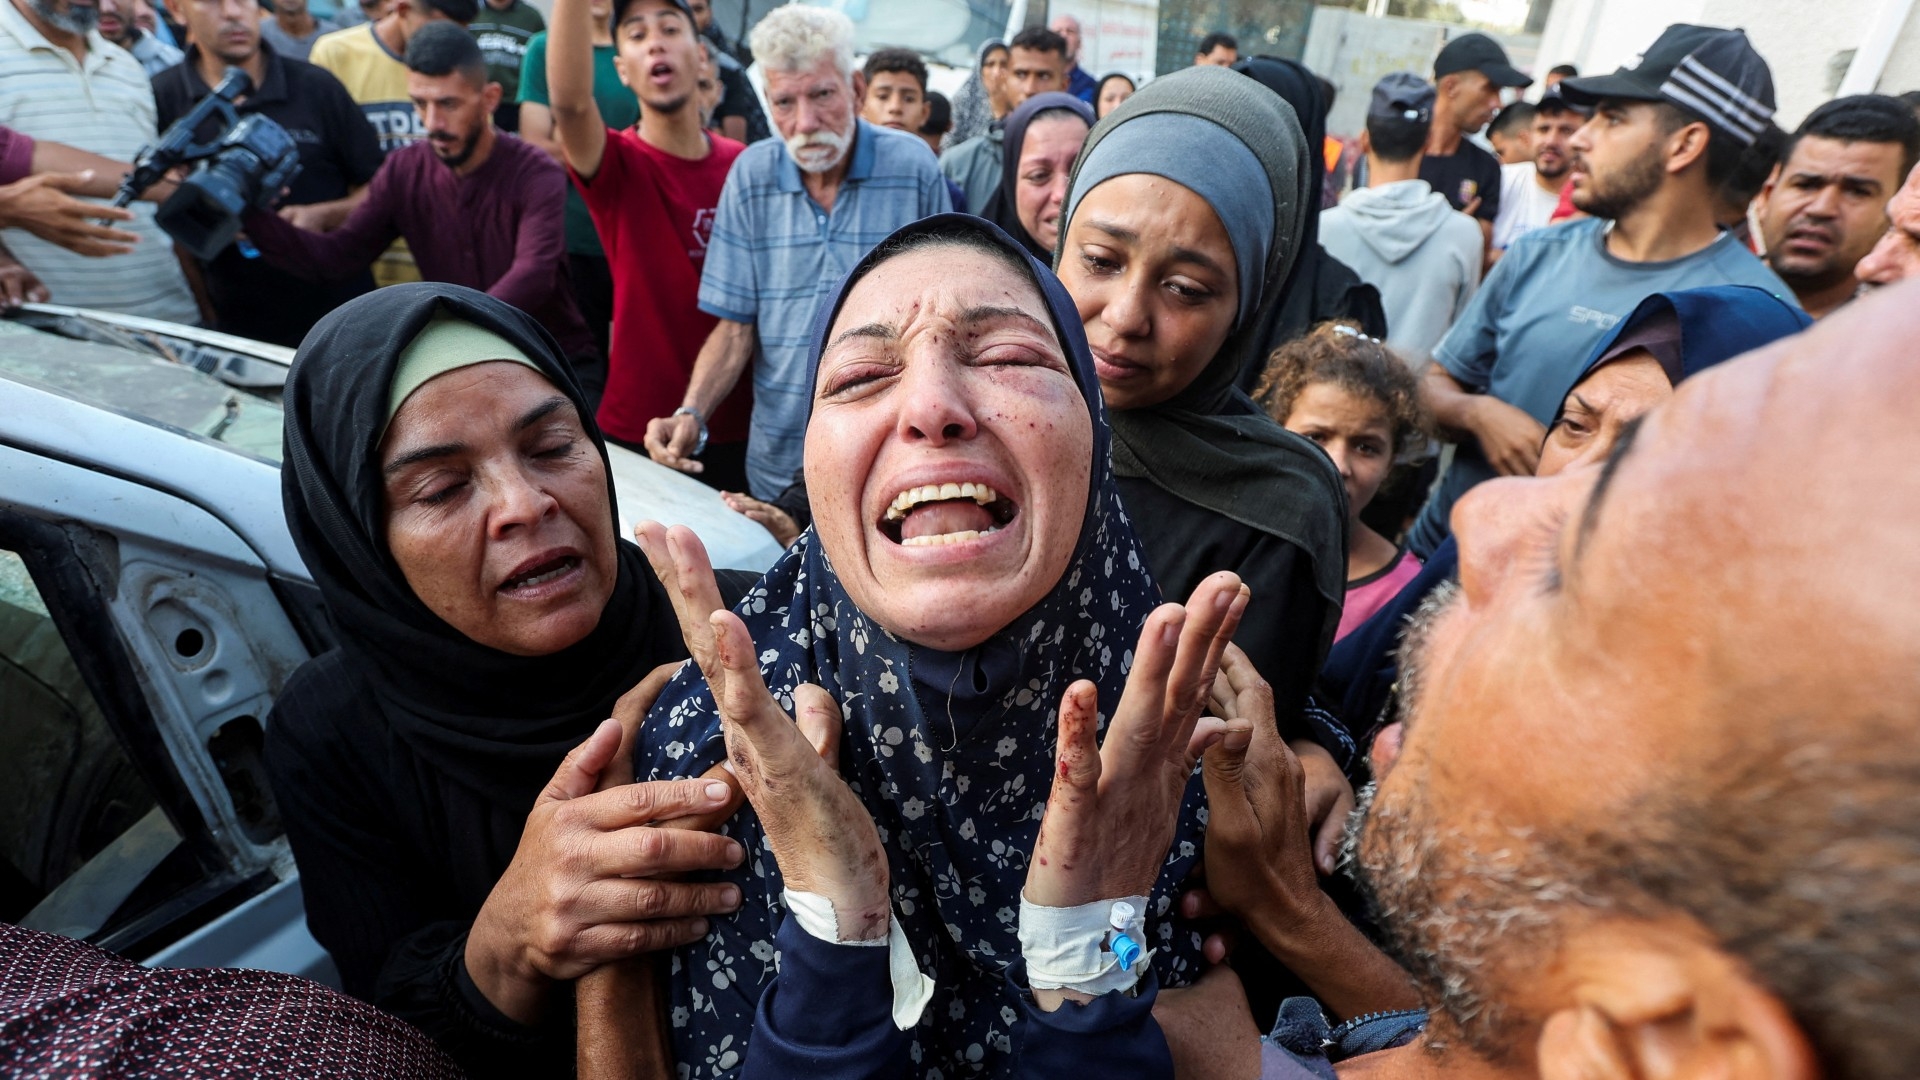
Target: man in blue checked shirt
x,y
794,217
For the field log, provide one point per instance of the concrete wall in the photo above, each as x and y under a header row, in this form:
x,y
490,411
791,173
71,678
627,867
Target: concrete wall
x,y
1355,51
1800,39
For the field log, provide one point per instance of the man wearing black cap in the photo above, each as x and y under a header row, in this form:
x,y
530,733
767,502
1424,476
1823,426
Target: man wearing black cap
x,y
1530,190
1468,76
1647,168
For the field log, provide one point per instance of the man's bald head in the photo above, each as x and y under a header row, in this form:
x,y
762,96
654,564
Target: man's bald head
x,y
1676,702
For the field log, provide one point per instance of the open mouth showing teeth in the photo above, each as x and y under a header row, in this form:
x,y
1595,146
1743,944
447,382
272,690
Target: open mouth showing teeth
x,y
661,69
540,575
946,514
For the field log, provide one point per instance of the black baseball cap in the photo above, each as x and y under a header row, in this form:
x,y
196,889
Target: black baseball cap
x,y
1402,96
1478,52
1552,100
1712,73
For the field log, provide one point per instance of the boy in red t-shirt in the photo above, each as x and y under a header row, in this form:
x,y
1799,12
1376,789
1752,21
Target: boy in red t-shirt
x,y
652,192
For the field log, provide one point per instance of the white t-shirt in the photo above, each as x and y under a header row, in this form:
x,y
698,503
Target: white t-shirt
x,y
1524,204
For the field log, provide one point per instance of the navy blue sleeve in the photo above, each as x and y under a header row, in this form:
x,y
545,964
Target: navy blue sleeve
x,y
1363,667
828,1014
1112,1035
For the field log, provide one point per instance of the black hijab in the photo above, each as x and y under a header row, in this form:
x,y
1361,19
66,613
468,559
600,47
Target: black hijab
x,y
1003,208
1320,286
493,723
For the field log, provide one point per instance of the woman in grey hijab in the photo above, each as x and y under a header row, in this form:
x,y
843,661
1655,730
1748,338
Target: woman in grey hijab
x,y
1173,259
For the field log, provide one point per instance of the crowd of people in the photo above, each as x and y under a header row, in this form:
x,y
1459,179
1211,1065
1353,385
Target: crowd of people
x,y
1255,603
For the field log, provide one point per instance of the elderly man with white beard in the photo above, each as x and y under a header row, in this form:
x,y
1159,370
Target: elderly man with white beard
x,y
794,217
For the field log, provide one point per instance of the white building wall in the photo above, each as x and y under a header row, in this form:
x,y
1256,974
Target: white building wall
x,y
1902,72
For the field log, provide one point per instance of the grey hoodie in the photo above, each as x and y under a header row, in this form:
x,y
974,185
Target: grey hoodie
x,y
1424,256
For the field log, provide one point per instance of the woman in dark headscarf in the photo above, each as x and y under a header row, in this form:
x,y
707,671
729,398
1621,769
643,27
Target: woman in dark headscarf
x,y
1113,88
969,560
974,108
450,495
1034,170
1173,260
1321,287
1669,338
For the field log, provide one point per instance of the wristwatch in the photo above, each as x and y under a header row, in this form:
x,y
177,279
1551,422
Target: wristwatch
x,y
700,444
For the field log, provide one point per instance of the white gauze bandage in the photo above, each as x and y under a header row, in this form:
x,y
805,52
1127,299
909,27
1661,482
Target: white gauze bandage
x,y
911,988
1066,948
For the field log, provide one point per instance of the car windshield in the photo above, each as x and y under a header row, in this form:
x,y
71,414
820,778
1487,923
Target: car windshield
x,y
136,380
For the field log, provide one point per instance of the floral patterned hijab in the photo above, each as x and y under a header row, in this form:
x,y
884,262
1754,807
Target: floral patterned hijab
x,y
952,753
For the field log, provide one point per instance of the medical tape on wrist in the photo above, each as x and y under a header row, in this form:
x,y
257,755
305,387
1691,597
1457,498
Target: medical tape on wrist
x,y
1069,948
911,988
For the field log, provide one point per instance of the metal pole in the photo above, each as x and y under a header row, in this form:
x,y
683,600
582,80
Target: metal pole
x,y
1016,19
1871,59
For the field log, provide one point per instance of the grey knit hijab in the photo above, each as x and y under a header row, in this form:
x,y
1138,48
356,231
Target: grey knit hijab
x,y
1209,161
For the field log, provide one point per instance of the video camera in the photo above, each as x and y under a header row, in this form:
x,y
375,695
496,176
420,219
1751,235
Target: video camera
x,y
242,168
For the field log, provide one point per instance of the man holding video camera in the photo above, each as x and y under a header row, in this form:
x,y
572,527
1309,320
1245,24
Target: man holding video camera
x,y
339,153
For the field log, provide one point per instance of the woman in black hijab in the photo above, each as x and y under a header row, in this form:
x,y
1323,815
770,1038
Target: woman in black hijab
x,y
1027,203
451,497
1321,287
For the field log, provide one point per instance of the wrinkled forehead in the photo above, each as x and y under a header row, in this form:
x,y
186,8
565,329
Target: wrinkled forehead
x,y
1741,489
941,281
1757,529
822,73
1649,492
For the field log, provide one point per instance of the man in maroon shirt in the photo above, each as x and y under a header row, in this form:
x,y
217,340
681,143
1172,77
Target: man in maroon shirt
x,y
652,193
477,207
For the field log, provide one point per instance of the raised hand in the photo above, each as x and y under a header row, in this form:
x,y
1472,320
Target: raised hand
x,y
1260,860
1258,849
1328,796
1114,806
822,837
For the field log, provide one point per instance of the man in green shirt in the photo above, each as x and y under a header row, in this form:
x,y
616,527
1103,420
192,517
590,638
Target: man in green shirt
x,y
620,107
503,31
